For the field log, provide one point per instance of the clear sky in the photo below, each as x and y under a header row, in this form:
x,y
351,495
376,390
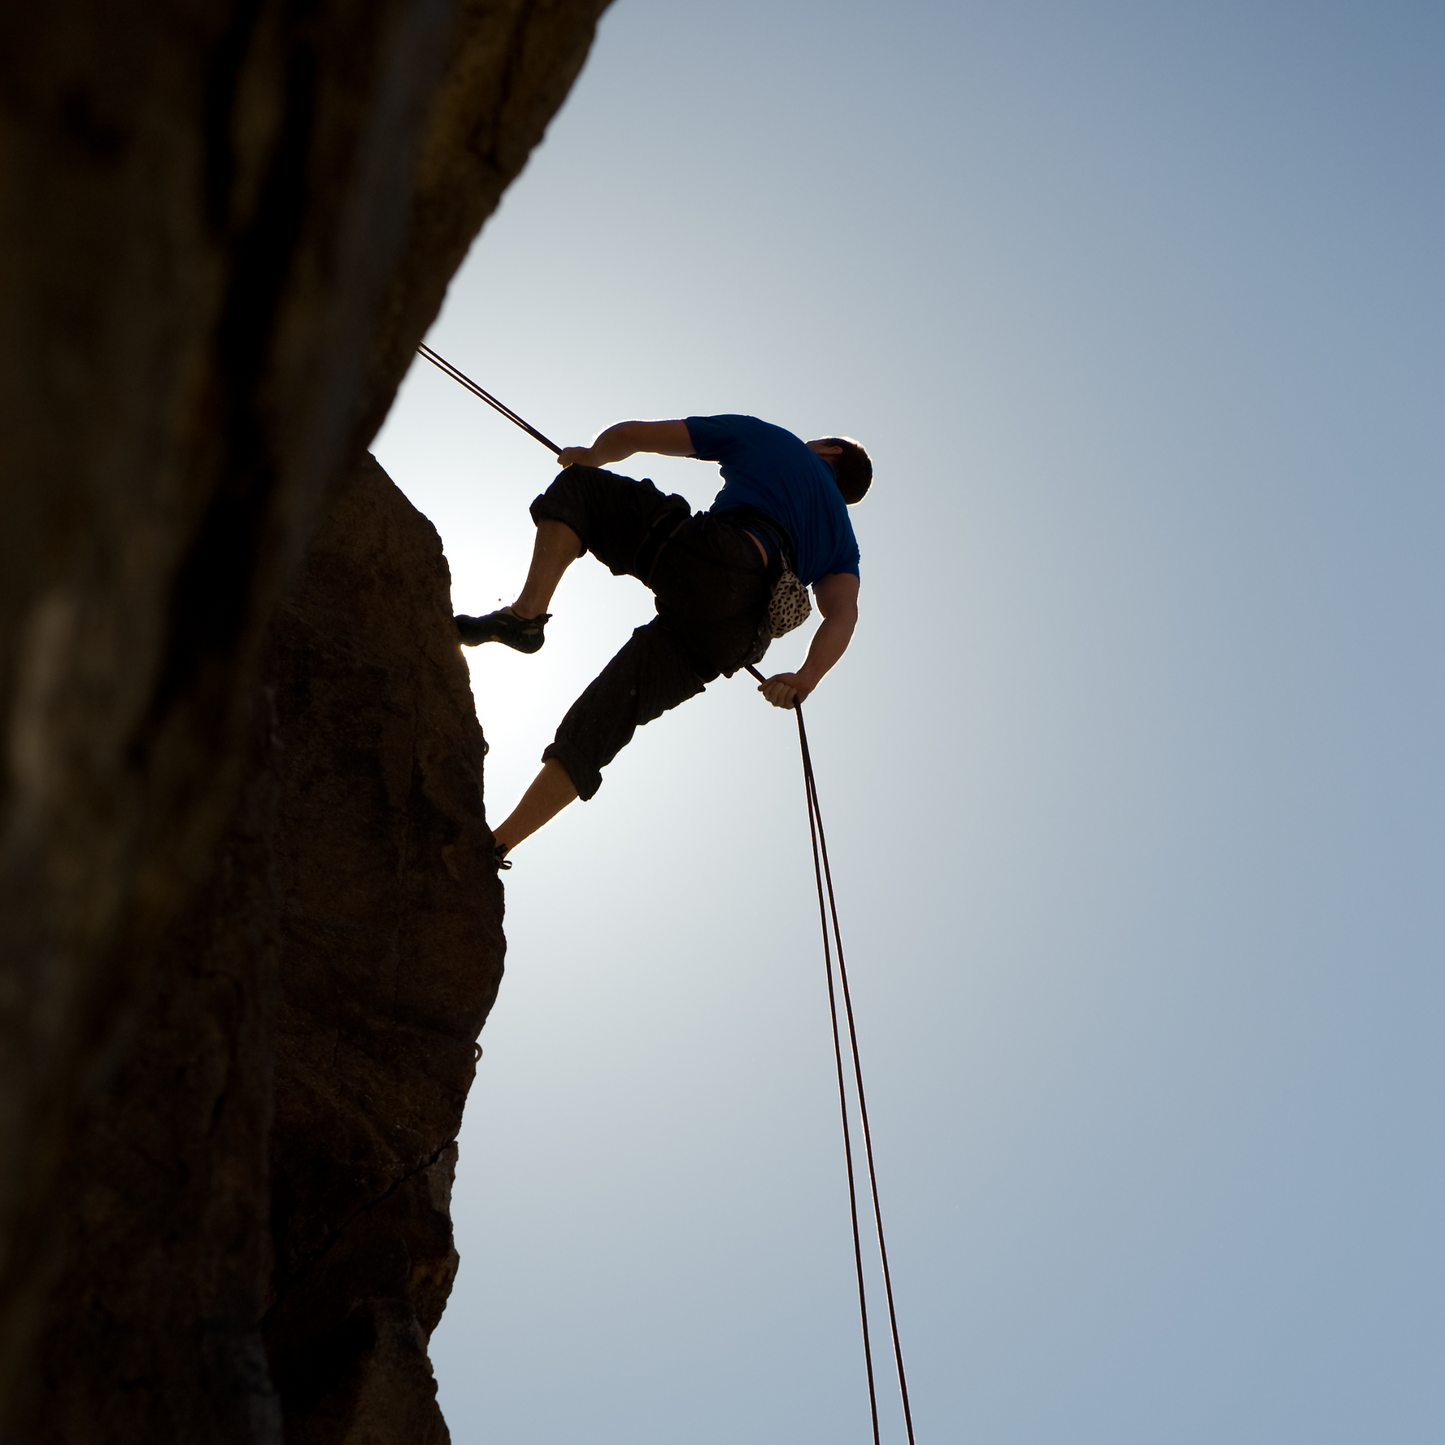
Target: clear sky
x,y
1132,774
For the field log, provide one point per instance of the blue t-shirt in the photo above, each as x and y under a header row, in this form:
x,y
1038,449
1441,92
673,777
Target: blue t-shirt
x,y
770,469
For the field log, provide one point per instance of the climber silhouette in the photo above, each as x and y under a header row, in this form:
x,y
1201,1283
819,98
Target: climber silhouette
x,y
726,581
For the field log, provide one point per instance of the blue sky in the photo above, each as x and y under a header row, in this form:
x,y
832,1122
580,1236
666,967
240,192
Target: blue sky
x,y
1132,774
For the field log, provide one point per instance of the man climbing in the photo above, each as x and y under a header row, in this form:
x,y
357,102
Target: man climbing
x,y
722,580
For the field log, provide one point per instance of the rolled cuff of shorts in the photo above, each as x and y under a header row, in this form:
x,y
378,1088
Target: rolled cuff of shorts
x,y
586,777
560,503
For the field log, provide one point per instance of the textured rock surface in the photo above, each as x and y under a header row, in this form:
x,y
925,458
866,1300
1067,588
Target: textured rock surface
x,y
223,228
154,1325
332,977
391,951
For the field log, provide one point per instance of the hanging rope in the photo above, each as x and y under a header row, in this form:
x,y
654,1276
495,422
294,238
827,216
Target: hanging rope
x,y
832,942
442,364
828,917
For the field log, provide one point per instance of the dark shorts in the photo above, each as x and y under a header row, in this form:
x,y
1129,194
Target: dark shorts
x,y
711,588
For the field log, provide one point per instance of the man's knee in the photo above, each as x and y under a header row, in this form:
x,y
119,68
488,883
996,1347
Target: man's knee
x,y
652,673
564,501
611,514
553,532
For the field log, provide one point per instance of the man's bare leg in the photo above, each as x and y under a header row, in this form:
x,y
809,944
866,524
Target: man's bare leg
x,y
554,549
551,790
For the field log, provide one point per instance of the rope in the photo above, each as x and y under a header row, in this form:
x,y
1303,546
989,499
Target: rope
x,y
823,874
444,365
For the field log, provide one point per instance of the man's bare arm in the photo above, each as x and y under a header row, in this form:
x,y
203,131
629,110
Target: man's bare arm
x,y
837,598
667,438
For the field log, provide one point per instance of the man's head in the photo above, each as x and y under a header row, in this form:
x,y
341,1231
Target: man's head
x,y
852,466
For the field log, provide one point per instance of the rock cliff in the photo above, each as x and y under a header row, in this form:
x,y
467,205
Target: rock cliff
x,y
223,229
258,1229
390,953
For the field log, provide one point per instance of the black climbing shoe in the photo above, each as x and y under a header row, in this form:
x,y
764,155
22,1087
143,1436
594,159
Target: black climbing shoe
x,y
523,634
500,854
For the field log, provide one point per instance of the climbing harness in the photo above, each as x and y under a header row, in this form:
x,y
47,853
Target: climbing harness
x,y
832,947
828,917
788,604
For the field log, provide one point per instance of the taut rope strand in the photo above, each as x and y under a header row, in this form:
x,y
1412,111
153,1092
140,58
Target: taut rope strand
x,y
459,376
823,874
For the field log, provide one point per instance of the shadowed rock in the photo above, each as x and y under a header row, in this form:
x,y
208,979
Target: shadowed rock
x,y
223,229
276,1153
391,954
